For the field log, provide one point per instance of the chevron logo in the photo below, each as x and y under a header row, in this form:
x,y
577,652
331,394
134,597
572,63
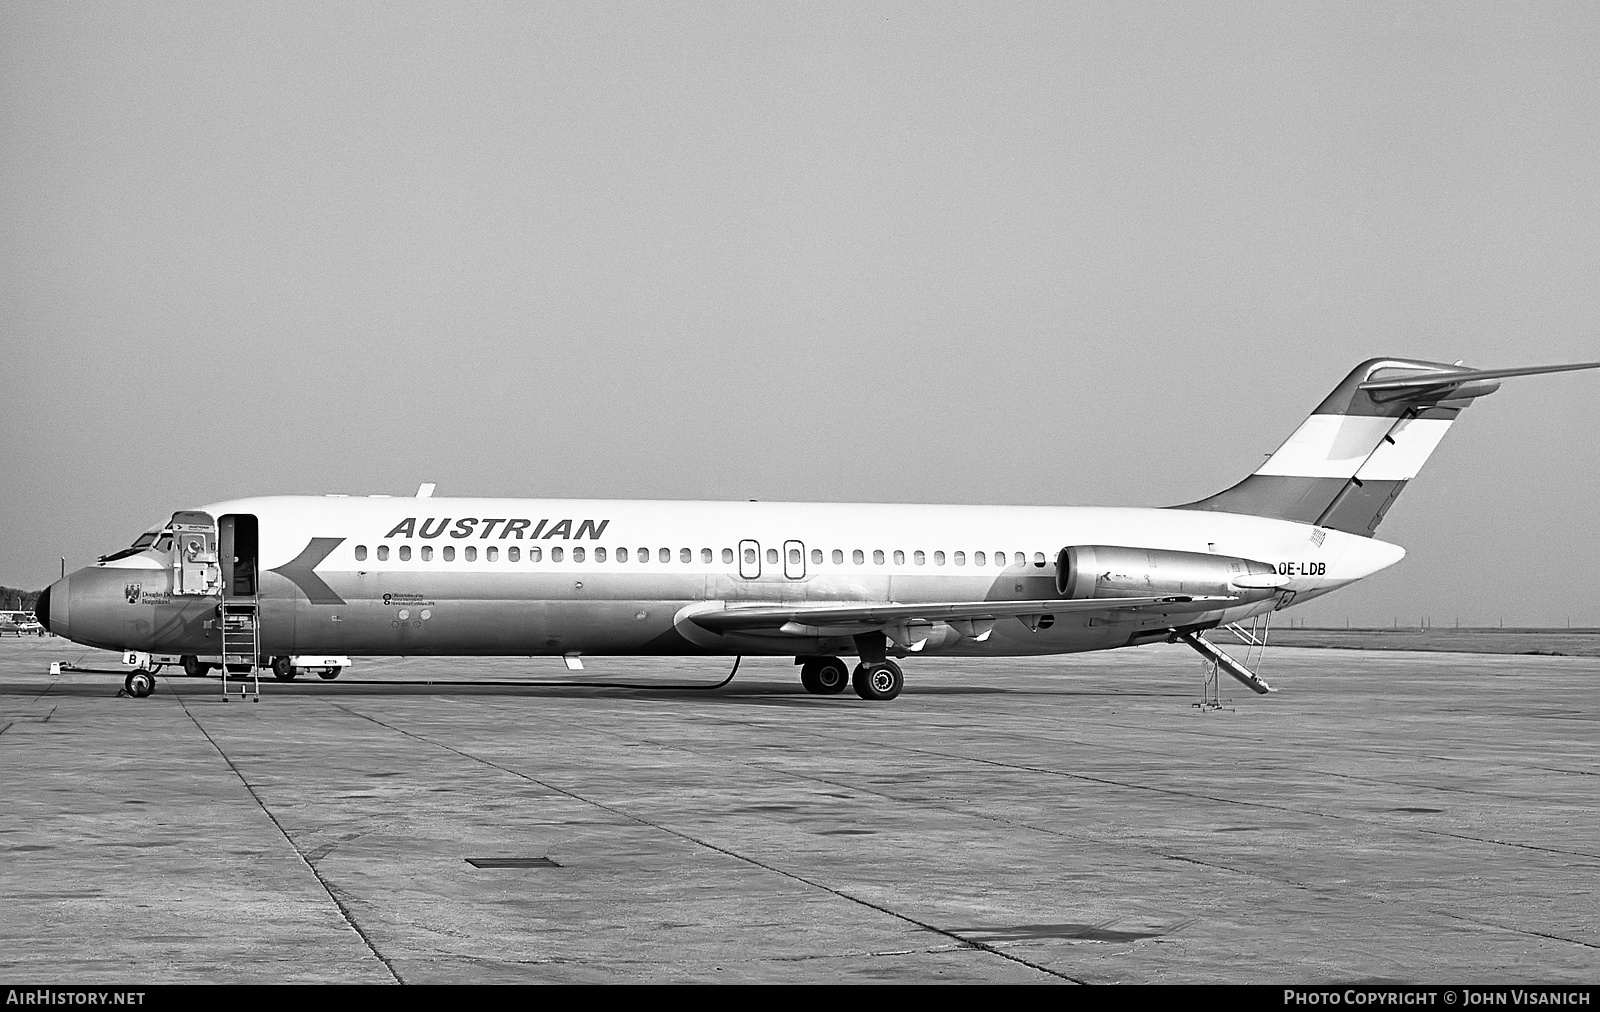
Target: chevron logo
x,y
301,571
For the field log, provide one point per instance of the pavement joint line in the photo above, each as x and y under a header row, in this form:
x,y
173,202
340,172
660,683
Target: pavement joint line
x,y
1150,851
327,887
964,942
1443,788
1086,837
1171,792
47,688
1516,930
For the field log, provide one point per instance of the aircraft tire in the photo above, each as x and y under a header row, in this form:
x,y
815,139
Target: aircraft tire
x,y
282,670
193,668
832,676
139,684
880,682
330,674
808,677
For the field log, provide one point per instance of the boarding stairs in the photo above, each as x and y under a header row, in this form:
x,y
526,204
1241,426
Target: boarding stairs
x,y
241,642
1253,638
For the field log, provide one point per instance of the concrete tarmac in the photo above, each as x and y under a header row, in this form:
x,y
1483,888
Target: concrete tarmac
x,y
1384,817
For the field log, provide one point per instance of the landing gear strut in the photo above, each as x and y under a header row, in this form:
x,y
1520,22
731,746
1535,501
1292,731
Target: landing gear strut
x,y
824,676
882,680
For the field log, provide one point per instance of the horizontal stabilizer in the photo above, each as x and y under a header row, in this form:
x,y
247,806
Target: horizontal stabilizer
x,y
1455,377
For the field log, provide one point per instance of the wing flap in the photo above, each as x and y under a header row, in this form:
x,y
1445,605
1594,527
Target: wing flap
x,y
724,617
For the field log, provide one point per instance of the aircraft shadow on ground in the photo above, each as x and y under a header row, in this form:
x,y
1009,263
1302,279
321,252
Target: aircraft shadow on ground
x,y
758,693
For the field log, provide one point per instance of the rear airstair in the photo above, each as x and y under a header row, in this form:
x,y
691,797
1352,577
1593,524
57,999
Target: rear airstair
x,y
1253,638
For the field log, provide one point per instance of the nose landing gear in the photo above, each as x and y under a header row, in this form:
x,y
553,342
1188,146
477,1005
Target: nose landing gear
x,y
139,684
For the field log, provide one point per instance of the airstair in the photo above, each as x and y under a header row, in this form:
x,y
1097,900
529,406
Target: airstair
x,y
241,643
1253,638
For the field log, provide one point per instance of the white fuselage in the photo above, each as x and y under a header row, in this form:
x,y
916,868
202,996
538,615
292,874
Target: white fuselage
x,y
533,576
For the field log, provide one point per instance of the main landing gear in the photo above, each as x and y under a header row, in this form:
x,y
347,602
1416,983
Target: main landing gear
x,y
827,676
883,680
824,676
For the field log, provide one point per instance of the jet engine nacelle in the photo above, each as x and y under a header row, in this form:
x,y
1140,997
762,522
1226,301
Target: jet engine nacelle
x,y
1091,571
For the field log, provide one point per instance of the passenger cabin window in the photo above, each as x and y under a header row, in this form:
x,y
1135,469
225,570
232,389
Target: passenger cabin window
x,y
794,556
513,554
470,553
838,556
534,554
491,553
707,556
665,555
727,556
686,555
405,553
361,553
960,558
978,559
555,554
749,556
449,553
899,558
599,555
877,557
622,555
427,553
919,557
383,553
816,556
938,558
1038,558
858,556
577,555
644,555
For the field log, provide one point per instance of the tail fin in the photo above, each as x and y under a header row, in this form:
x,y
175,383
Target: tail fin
x,y
1346,464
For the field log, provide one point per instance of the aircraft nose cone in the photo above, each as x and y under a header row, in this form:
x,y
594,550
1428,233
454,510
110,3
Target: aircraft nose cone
x,y
52,607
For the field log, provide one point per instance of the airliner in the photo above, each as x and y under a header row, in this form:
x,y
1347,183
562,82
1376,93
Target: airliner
x,y
302,583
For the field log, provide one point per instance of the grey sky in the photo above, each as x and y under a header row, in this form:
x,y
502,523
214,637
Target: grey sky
x,y
1052,254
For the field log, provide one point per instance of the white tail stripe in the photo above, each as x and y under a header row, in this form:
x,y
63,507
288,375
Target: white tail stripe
x,y
1414,441
1337,446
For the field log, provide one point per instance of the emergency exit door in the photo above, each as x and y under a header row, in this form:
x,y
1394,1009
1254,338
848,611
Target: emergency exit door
x,y
749,559
794,560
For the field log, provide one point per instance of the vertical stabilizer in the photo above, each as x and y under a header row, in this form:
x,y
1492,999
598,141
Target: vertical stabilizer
x,y
1346,464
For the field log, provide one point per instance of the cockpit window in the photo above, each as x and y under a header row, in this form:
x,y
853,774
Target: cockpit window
x,y
155,537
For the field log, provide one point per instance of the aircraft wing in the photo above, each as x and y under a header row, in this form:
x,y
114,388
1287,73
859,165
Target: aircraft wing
x,y
807,618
